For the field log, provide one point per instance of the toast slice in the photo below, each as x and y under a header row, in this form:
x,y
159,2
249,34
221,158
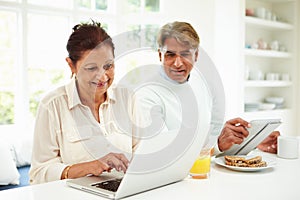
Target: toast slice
x,y
236,164
260,164
255,160
238,161
235,159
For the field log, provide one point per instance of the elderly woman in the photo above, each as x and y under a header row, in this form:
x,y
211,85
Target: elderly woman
x,y
77,130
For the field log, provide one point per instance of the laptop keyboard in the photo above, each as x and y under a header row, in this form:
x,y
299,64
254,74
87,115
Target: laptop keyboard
x,y
111,185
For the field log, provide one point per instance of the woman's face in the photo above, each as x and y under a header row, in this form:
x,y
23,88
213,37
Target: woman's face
x,y
95,71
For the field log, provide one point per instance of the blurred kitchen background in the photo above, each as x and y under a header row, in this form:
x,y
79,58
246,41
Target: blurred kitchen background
x,y
254,45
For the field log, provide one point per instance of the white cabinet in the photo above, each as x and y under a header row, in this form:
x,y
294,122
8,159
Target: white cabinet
x,y
270,60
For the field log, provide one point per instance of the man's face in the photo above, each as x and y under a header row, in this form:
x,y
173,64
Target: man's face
x,y
177,59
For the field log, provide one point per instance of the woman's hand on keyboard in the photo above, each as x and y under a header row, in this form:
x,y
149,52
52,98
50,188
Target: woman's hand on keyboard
x,y
114,160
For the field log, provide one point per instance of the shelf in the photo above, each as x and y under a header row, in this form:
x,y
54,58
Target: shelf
x,y
266,53
277,1
284,30
269,112
268,83
268,24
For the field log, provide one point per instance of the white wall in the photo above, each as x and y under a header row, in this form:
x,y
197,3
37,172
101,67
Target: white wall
x,y
298,64
199,13
228,45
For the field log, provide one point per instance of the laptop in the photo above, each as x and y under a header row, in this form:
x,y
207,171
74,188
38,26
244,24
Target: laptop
x,y
148,170
258,131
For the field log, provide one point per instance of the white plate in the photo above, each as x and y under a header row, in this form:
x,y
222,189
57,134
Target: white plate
x,y
271,162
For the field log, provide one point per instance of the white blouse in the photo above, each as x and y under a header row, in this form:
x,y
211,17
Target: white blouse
x,y
66,131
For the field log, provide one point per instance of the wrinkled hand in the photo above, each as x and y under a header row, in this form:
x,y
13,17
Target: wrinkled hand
x,y
233,132
115,160
96,167
269,144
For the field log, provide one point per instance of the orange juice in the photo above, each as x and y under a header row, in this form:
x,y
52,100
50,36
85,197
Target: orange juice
x,y
201,166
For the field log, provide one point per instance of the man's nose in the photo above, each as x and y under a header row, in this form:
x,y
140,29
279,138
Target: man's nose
x,y
178,61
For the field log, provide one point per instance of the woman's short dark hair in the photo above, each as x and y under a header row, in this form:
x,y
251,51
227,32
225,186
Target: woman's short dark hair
x,y
87,36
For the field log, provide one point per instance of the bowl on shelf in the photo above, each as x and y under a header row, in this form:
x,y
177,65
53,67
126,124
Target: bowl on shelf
x,y
251,106
276,100
267,106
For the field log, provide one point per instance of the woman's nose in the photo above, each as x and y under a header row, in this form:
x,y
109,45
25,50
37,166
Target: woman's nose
x,y
101,72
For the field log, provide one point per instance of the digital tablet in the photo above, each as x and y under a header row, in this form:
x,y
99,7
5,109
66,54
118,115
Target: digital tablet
x,y
259,130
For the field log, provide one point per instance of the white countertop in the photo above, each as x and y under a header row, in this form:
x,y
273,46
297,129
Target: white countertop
x,y
280,182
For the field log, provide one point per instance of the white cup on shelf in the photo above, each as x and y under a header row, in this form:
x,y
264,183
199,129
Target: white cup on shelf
x,y
256,75
260,12
274,45
268,15
285,77
270,77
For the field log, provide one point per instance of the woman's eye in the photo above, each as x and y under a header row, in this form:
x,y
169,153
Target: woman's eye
x,y
91,68
108,66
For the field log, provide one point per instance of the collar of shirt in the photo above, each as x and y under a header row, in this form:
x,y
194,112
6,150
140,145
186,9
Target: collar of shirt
x,y
165,76
73,96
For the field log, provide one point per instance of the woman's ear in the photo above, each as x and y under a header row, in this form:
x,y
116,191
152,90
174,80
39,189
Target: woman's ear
x,y
71,65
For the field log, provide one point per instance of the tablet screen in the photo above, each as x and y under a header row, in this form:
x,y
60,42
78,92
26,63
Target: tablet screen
x,y
259,130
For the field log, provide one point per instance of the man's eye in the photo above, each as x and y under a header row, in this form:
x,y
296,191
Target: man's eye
x,y
170,54
108,66
188,54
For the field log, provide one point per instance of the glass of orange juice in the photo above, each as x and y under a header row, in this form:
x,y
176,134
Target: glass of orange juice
x,y
201,166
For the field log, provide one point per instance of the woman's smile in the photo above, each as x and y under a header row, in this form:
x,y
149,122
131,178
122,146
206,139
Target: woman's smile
x,y
102,84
